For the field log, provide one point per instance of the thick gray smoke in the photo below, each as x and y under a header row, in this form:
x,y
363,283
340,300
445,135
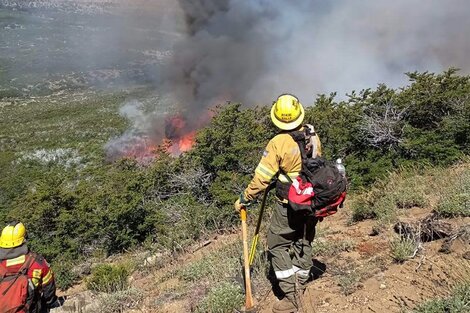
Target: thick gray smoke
x,y
251,51
201,51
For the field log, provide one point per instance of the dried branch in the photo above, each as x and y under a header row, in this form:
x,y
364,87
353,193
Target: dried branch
x,y
384,129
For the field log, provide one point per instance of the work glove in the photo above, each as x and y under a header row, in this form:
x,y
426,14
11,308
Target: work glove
x,y
238,206
241,203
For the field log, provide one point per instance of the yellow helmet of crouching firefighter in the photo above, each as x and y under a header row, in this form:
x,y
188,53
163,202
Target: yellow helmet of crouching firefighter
x,y
13,235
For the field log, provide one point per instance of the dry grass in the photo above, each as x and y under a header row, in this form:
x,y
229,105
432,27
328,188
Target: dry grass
x,y
444,190
403,249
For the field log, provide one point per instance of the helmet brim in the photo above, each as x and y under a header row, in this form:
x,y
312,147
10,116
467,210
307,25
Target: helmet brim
x,y
288,126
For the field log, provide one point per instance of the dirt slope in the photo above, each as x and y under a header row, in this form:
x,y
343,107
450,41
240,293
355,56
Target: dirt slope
x,y
360,275
366,279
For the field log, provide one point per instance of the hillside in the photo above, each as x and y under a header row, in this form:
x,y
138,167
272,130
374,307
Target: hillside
x,y
82,208
359,266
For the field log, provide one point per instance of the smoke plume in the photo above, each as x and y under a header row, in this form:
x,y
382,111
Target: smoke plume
x,y
254,50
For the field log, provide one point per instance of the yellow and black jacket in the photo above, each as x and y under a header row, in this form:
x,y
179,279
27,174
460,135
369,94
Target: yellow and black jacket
x,y
281,157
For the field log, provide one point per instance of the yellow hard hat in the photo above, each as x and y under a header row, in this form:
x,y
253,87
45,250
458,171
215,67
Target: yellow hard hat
x,y
287,112
13,236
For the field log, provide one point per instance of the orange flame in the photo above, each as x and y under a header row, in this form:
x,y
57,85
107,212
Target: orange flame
x,y
187,141
179,137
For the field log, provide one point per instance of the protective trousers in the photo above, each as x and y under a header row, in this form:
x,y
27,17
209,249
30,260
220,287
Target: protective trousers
x,y
290,229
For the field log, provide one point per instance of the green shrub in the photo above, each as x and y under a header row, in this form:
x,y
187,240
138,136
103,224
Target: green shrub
x,y
402,249
63,273
108,278
458,302
222,299
197,270
379,206
454,205
349,276
385,207
349,282
330,248
362,209
400,190
410,191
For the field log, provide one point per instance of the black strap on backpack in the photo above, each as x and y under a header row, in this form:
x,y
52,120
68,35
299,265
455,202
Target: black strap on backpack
x,y
299,138
308,164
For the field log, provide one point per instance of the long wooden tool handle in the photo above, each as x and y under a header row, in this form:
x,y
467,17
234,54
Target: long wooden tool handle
x,y
248,296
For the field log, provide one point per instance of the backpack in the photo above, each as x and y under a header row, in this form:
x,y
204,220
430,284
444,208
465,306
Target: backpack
x,y
320,188
14,288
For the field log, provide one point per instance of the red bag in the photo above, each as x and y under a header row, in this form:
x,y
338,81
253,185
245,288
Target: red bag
x,y
14,288
301,196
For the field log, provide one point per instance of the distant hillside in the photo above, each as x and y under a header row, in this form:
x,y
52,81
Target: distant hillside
x,y
52,46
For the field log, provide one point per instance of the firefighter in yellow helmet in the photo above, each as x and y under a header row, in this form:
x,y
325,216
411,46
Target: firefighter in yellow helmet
x,y
22,269
288,229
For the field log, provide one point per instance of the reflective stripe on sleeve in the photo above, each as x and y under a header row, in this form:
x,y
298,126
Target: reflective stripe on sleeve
x,y
265,172
36,277
47,278
19,260
284,274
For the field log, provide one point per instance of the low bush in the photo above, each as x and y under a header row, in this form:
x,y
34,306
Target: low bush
x,y
375,204
362,209
410,191
322,247
454,205
108,278
458,302
64,275
222,299
214,276
197,270
444,189
216,266
454,198
348,277
402,249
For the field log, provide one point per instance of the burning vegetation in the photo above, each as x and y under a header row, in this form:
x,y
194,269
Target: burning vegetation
x,y
180,135
173,135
